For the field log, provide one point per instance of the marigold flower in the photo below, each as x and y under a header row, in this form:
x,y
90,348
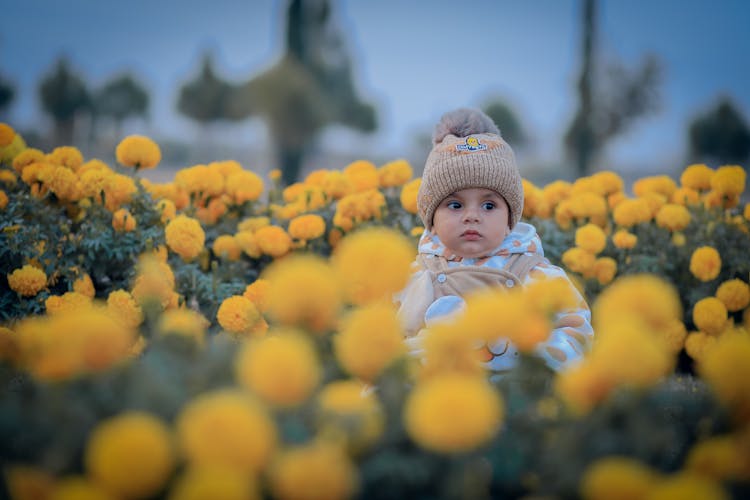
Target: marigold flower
x,y
673,217
67,302
697,177
373,264
363,174
123,220
118,190
282,368
27,281
632,211
167,209
453,413
226,247
697,344
307,227
661,184
258,292
244,186
395,173
238,315
610,181
94,182
617,478
123,307
26,158
64,183
685,196
337,185
273,241
591,238
729,180
687,486
605,269
185,237
370,339
131,454
579,260
313,471
624,239
6,134
227,428
408,195
315,305
3,200
710,315
67,156
184,322
705,263
344,409
138,151
84,285
248,243
214,481
735,294
726,367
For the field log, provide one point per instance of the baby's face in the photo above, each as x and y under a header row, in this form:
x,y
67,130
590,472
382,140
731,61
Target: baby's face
x,y
472,222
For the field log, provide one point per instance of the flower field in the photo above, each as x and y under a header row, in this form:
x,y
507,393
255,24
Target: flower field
x,y
224,336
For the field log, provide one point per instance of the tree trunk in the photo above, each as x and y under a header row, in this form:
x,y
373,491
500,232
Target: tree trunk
x,y
585,142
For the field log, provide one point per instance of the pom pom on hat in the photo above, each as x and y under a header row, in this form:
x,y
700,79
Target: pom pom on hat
x,y
469,152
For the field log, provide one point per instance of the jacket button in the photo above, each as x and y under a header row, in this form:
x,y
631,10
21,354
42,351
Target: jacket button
x,y
441,278
509,283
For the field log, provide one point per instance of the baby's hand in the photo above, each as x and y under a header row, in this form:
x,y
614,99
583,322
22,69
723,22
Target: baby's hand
x,y
444,309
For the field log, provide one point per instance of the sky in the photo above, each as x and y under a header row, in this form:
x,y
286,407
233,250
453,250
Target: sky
x,y
414,60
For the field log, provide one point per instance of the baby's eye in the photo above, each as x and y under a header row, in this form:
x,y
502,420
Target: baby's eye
x,y
488,205
453,205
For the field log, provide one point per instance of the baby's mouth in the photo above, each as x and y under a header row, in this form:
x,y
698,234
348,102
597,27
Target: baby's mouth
x,y
470,234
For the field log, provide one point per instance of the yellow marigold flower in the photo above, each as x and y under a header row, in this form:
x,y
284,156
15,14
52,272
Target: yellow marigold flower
x,y
3,200
94,182
239,315
227,428
453,413
685,196
582,387
273,241
408,195
63,182
314,471
697,344
395,173
138,151
687,486
345,410
93,164
118,190
9,152
605,269
84,285
67,156
720,458
370,339
214,481
27,281
556,191
315,305
123,220
131,454
726,367
26,158
610,181
729,180
282,368
226,247
307,227
78,488
8,177
710,315
244,186
258,293
673,217
579,260
675,334
123,307
363,174
6,134
316,177
591,238
718,199
67,302
697,177
167,209
248,243
617,478
336,185
185,237
735,294
373,264
184,322
642,296
661,184
632,211
705,263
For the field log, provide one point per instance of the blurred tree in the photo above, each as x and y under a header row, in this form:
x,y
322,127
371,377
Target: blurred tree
x,y
63,95
206,98
7,94
120,98
609,101
507,121
310,87
720,135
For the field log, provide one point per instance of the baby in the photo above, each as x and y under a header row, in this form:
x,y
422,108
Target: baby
x,y
470,201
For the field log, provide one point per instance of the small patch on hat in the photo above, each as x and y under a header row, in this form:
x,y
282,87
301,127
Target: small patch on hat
x,y
471,144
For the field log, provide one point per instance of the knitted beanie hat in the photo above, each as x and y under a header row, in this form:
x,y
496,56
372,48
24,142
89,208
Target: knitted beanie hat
x,y
468,152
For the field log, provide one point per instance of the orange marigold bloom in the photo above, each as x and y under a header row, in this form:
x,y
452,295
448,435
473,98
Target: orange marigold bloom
x,y
710,315
363,174
123,220
685,196
123,307
673,217
705,263
257,292
591,237
27,281
408,196
605,269
661,184
307,227
138,151
735,294
226,247
84,285
3,200
167,209
67,156
337,185
697,177
395,173
729,180
26,158
185,237
248,243
67,302
7,134
238,315
579,260
632,211
244,186
273,241
624,239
